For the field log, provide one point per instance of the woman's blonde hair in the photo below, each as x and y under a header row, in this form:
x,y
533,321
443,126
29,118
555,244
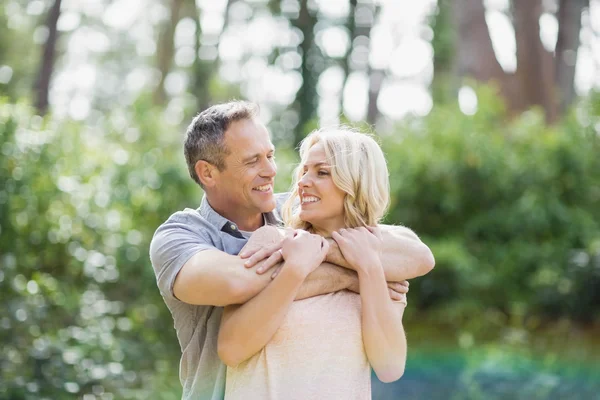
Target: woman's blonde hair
x,y
358,168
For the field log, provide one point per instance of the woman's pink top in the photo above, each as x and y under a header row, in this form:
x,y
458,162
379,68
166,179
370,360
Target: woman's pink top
x,y
317,353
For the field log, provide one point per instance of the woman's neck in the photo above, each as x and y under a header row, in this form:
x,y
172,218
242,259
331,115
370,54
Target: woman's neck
x,y
326,230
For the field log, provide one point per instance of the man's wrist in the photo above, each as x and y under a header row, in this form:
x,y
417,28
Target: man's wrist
x,y
334,255
350,279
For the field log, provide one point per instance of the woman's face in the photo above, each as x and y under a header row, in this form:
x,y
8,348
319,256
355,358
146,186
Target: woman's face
x,y
321,201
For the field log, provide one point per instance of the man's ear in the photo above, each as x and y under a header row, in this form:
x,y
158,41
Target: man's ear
x,y
206,173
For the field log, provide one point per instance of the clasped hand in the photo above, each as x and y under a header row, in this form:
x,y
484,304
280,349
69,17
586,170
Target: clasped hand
x,y
361,247
267,247
264,250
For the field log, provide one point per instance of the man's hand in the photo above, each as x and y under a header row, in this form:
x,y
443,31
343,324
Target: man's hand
x,y
263,247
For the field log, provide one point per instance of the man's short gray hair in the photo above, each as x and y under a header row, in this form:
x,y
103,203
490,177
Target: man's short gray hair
x,y
205,137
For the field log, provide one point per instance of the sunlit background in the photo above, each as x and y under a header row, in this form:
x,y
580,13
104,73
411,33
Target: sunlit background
x,y
488,112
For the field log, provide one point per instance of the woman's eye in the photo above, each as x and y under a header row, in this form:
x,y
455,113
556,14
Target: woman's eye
x,y
322,173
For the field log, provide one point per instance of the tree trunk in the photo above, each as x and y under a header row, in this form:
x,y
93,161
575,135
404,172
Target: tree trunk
x,y
569,23
351,26
48,57
166,51
312,66
540,79
444,44
475,55
376,77
361,27
200,71
535,65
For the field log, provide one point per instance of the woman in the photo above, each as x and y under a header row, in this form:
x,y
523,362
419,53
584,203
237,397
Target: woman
x,y
324,346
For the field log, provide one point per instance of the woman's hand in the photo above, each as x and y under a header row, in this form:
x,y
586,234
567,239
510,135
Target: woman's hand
x,y
361,247
303,251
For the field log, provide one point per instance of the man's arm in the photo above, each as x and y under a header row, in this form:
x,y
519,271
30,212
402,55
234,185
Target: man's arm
x,y
403,255
212,277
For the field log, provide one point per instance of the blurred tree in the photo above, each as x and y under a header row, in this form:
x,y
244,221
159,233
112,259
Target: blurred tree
x,y
375,75
361,19
42,86
542,78
569,22
166,49
312,66
206,62
443,52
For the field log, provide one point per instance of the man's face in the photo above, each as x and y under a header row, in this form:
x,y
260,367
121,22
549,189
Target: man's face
x,y
245,186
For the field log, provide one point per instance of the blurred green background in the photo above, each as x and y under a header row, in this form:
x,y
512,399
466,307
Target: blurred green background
x,y
494,161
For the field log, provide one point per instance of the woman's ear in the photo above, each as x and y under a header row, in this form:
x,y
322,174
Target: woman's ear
x,y
206,173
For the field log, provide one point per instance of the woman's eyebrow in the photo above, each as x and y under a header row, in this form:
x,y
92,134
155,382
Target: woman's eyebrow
x,y
321,164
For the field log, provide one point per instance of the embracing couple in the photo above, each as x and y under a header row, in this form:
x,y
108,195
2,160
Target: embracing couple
x,y
285,296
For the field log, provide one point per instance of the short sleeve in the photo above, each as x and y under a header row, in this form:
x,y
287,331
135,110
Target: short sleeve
x,y
173,244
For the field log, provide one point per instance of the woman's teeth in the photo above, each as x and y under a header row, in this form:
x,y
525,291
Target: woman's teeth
x,y
309,199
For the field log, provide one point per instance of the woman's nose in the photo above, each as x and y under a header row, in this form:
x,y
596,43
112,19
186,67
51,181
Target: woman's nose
x,y
304,181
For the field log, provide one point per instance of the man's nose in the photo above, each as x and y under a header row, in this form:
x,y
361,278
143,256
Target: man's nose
x,y
270,169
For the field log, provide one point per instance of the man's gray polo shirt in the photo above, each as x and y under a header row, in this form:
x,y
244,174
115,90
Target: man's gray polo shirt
x,y
184,234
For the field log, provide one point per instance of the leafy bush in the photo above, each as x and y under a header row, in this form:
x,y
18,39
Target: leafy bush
x,y
510,210
78,207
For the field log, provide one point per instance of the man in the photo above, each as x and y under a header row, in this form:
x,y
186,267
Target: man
x,y
194,253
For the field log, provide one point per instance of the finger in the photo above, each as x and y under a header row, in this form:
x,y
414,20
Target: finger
x,y
276,272
395,295
402,300
256,257
339,239
273,260
247,252
406,285
262,254
401,289
398,287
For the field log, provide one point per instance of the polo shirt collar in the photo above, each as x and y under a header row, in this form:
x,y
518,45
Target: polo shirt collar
x,y
227,226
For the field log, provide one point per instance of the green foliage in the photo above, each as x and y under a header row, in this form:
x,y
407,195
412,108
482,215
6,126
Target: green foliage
x,y
78,207
19,55
510,210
